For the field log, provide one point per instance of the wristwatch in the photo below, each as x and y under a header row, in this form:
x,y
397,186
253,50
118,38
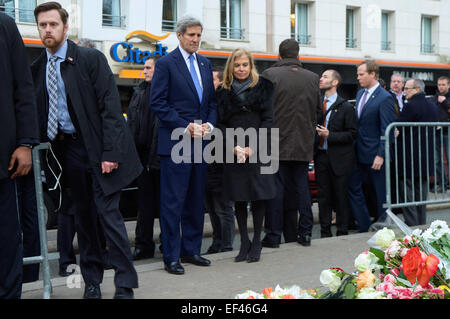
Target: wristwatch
x,y
30,146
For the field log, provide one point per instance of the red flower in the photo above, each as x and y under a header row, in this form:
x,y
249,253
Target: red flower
x,y
419,266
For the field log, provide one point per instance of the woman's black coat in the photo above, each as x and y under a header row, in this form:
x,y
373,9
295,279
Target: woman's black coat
x,y
244,182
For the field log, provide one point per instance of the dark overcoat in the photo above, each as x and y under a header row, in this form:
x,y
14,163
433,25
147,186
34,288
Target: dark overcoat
x,y
418,109
343,129
296,104
244,182
18,114
95,108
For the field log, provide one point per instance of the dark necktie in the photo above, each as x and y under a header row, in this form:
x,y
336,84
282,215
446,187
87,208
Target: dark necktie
x,y
363,103
52,127
324,110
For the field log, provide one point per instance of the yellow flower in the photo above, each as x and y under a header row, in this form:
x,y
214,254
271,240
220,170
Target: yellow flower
x,y
365,280
444,287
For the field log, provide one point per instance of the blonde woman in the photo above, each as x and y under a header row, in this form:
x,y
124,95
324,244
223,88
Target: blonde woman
x,y
245,101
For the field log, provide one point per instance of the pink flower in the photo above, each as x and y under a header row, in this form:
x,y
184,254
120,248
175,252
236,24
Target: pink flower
x,y
386,287
395,271
403,252
404,293
390,279
437,291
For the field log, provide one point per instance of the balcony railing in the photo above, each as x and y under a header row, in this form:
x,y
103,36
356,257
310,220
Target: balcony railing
x,y
232,33
109,20
19,15
350,43
302,39
386,45
427,48
169,25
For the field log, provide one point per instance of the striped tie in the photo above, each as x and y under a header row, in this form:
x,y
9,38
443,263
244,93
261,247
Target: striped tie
x,y
52,128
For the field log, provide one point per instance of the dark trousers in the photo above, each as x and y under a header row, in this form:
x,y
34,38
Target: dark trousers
x,y
149,194
331,192
10,242
414,215
292,176
356,196
26,195
87,194
182,206
222,220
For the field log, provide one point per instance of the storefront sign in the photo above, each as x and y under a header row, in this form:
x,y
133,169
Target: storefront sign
x,y
424,76
135,55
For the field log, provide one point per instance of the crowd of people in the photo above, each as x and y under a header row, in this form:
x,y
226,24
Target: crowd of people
x,y
69,98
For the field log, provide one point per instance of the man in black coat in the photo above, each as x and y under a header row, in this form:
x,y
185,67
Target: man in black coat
x,y
19,132
334,156
144,124
412,168
80,113
442,100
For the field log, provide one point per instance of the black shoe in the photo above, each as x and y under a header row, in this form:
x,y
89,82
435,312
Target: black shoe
x,y
255,252
140,253
341,233
65,273
304,240
92,292
124,293
243,251
212,250
326,235
196,260
174,268
269,245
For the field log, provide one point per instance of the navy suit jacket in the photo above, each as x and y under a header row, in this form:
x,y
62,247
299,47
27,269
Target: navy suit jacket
x,y
377,114
174,99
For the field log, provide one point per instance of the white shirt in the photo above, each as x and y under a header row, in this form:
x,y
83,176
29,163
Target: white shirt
x,y
188,63
371,90
197,69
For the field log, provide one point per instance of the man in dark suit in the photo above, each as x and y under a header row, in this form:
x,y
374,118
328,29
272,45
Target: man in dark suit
x,y
334,155
80,113
375,111
183,97
412,167
295,115
19,132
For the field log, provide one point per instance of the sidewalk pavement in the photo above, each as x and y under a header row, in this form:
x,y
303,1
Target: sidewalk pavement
x,y
291,264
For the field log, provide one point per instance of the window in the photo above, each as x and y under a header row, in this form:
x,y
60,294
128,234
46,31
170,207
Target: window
x,y
112,16
170,15
231,20
299,23
385,43
427,45
350,40
19,10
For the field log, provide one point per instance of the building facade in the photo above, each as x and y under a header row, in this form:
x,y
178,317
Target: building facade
x,y
407,36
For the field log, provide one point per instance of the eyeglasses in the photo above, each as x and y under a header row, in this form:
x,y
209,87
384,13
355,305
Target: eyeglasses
x,y
405,89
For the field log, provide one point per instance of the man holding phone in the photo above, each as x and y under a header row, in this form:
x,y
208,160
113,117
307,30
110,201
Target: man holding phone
x,y
334,155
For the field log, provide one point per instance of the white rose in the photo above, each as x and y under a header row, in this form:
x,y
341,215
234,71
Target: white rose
x,y
330,280
393,249
384,237
370,293
440,228
429,236
365,261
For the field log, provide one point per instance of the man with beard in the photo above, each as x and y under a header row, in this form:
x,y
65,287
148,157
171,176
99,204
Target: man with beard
x,y
334,156
80,114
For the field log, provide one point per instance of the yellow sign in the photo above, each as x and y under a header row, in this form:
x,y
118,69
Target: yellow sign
x,y
131,74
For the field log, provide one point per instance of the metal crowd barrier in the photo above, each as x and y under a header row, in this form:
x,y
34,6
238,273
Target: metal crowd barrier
x,y
45,257
423,137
